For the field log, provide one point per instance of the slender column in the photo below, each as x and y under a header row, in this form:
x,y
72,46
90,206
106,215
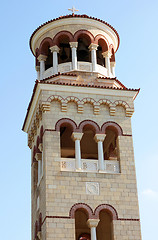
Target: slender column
x,y
92,224
107,56
38,72
38,157
42,58
55,50
113,64
93,48
77,138
99,138
74,46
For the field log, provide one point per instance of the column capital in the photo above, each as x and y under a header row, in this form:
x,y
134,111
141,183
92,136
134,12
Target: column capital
x,y
107,54
38,156
55,48
93,46
37,68
42,57
76,136
99,137
73,44
92,222
113,64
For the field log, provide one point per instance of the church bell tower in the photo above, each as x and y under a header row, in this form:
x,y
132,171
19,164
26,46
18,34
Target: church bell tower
x,y
78,122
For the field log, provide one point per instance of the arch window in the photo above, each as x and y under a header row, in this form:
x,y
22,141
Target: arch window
x,y
65,51
109,145
82,230
104,228
112,59
35,169
45,49
102,47
67,145
88,144
49,60
83,53
100,59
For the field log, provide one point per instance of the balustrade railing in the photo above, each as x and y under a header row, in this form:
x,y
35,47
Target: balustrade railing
x,y
82,66
90,165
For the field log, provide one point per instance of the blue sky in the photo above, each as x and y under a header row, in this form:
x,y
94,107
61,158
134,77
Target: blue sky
x,y
136,66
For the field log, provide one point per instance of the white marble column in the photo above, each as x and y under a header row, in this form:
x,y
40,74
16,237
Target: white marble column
x,y
38,72
42,58
93,48
92,224
99,138
77,138
107,56
74,46
113,64
55,50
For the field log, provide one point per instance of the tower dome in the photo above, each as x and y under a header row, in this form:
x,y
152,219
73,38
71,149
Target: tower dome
x,y
75,44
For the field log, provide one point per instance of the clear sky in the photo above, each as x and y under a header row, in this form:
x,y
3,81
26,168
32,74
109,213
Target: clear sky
x,y
136,66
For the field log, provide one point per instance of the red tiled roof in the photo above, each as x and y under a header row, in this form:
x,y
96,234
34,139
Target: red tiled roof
x,y
75,16
44,81
87,85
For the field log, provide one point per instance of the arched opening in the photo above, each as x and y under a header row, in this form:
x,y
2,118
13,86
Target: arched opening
x,y
65,51
104,228
102,47
45,49
67,145
82,230
112,59
89,148
83,53
49,60
34,170
110,145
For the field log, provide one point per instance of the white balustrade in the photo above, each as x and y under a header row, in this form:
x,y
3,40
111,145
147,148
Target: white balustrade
x,y
81,66
89,165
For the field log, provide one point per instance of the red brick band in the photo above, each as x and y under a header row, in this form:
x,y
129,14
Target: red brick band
x,y
68,217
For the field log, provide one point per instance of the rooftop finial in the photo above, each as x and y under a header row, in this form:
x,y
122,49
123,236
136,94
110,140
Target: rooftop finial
x,y
73,10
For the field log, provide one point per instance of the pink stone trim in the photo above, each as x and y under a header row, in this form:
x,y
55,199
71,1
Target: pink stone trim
x,y
46,40
83,206
108,208
56,39
85,33
95,127
114,126
103,40
66,121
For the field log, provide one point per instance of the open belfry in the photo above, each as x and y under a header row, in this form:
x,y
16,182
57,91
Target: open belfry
x,y
83,181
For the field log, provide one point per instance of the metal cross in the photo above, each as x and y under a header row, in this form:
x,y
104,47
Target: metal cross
x,y
73,10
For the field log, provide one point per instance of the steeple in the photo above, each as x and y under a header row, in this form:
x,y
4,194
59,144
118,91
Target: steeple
x,y
79,131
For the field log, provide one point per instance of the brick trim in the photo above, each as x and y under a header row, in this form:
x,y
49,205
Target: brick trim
x,y
84,206
110,209
69,217
41,49
129,219
66,121
63,217
56,39
83,32
116,127
95,127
